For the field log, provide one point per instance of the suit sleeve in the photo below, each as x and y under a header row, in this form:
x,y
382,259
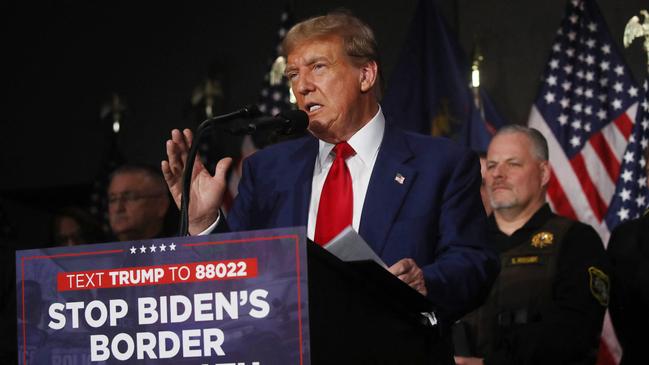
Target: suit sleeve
x,y
464,267
241,216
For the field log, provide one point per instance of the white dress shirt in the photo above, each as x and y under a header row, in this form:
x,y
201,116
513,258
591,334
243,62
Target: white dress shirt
x,y
366,143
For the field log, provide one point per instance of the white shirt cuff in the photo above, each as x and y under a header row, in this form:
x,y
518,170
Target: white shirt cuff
x,y
211,227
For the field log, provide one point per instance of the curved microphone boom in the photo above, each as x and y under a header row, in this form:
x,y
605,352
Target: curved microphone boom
x,y
287,122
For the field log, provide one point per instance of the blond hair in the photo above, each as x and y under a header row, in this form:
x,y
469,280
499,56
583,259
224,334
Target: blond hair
x,y
358,39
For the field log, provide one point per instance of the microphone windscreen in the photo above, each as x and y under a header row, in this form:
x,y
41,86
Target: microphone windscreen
x,y
298,118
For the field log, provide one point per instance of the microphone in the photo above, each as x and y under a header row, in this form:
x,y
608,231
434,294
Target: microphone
x,y
286,122
248,111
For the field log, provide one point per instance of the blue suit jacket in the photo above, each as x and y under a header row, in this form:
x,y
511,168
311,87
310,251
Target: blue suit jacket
x,y
435,217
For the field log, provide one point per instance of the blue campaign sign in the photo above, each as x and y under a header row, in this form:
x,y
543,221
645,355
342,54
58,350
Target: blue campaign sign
x,y
236,298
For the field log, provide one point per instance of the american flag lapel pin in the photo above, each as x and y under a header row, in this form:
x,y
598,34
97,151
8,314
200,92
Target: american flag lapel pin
x,y
400,178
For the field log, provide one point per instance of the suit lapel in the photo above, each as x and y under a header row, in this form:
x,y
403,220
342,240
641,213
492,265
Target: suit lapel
x,y
295,185
389,184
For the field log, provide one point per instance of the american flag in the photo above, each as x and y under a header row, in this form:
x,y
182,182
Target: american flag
x,y
274,97
587,108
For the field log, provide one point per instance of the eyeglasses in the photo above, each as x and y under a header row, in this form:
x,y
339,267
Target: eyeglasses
x,y
130,197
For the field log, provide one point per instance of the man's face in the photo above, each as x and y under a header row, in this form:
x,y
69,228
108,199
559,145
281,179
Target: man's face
x,y
515,177
68,232
330,88
135,204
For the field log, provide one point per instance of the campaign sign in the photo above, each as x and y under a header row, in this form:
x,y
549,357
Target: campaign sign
x,y
237,298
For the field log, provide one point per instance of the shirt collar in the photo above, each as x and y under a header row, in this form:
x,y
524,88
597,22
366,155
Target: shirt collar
x,y
365,142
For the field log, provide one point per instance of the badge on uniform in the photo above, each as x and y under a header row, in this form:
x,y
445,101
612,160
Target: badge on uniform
x,y
524,260
599,285
542,239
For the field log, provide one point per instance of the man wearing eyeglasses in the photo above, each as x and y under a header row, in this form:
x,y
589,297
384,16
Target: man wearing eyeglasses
x,y
137,203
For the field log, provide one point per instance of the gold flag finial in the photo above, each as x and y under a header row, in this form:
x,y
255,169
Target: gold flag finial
x,y
635,29
277,71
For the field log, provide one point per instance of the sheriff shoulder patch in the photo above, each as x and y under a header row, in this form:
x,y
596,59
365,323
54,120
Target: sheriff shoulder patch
x,y
542,239
599,285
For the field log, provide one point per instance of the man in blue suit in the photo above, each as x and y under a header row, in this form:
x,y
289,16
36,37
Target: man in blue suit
x,y
413,198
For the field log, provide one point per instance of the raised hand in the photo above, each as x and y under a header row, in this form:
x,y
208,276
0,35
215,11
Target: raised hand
x,y
206,191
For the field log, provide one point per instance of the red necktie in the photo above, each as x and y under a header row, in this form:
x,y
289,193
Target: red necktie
x,y
337,200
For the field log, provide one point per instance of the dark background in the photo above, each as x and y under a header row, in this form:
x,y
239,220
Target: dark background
x,y
62,60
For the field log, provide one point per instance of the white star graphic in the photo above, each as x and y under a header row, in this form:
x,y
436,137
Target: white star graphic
x,y
603,82
133,249
642,181
577,108
587,127
642,162
628,157
591,43
163,247
556,47
617,104
576,124
590,76
579,91
589,93
623,213
625,195
601,114
592,27
627,175
604,65
590,59
565,102
645,124
172,247
152,248
549,98
644,142
640,201
575,141
633,91
572,36
588,110
566,85
606,48
552,80
573,19
619,70
142,249
568,69
618,87
563,119
554,64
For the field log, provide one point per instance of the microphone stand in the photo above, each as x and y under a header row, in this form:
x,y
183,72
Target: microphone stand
x,y
249,111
